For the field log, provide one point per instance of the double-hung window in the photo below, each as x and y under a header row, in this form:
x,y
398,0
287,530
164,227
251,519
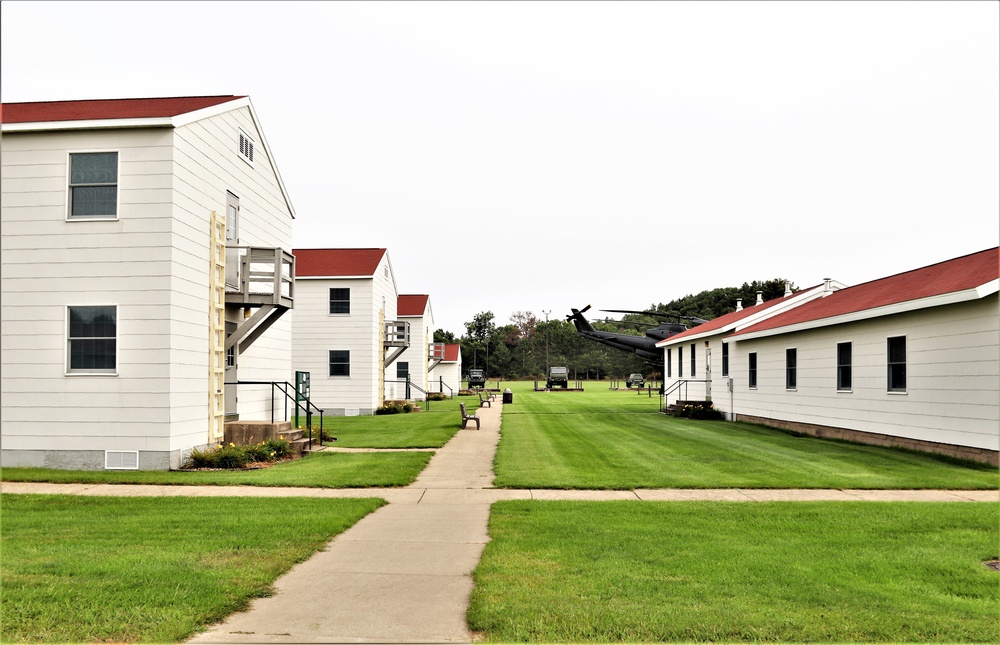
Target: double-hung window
x,y
93,185
670,364
340,362
896,364
791,360
680,362
725,359
340,301
844,360
402,370
752,375
92,338
692,360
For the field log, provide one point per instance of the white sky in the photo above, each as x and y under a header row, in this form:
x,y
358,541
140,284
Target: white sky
x,y
546,155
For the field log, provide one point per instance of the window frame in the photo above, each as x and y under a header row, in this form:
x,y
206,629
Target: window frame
x,y
891,378
791,368
70,216
330,363
680,361
694,353
403,366
845,384
69,338
725,359
670,364
752,370
340,300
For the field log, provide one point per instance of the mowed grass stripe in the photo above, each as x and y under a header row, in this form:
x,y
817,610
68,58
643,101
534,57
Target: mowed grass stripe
x,y
602,441
717,571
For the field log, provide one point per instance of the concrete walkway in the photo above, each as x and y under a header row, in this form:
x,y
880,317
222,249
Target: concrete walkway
x,y
403,573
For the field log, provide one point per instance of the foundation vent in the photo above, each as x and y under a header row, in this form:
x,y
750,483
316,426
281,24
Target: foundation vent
x,y
121,460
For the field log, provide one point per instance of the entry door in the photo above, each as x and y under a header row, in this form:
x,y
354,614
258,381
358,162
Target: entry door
x,y
232,240
231,376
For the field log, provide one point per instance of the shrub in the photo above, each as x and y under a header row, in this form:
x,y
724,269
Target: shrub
x,y
437,396
201,458
407,407
394,408
231,457
280,448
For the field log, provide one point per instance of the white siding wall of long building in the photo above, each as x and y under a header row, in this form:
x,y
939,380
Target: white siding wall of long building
x,y
952,366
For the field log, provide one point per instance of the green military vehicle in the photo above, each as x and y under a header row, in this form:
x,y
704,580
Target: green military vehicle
x,y
558,376
636,379
477,378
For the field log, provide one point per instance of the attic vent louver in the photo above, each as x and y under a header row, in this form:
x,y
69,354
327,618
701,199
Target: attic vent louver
x,y
246,147
121,460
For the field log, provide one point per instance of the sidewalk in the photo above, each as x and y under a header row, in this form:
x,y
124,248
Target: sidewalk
x,y
403,573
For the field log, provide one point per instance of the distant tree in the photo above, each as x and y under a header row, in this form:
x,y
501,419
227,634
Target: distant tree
x,y
442,336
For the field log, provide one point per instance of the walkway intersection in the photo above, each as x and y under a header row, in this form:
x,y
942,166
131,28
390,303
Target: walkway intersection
x,y
404,572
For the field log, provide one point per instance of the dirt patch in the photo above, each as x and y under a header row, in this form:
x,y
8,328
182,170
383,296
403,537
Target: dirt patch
x,y
993,564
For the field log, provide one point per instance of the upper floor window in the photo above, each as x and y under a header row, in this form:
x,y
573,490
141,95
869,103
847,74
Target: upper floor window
x,y
752,376
92,339
844,360
791,360
402,370
93,185
340,301
340,362
725,359
896,364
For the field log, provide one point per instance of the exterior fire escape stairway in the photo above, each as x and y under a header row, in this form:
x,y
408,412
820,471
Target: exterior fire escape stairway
x,y
266,282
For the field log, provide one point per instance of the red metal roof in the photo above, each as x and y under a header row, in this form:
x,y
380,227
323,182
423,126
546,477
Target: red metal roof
x,y
960,274
451,352
93,110
730,318
411,304
336,263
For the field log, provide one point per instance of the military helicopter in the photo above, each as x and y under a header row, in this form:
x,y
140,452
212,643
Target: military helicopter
x,y
642,346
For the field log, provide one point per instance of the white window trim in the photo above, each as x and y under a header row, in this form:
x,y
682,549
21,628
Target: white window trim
x,y
103,373
69,192
350,363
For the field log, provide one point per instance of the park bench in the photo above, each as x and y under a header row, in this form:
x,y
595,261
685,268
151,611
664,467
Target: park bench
x,y
468,417
485,400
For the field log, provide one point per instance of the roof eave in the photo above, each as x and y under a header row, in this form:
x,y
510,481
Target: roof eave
x,y
955,297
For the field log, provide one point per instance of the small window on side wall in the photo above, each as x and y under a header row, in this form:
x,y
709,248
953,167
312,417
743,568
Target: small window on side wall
x,y
92,340
93,185
791,364
896,364
340,301
752,375
340,362
844,360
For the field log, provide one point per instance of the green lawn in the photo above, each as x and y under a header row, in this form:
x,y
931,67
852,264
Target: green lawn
x,y
717,571
618,440
427,429
320,470
140,569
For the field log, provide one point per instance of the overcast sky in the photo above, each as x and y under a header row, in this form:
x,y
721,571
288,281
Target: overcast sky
x,y
545,155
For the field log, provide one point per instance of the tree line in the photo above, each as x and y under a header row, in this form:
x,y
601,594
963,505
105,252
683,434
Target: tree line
x,y
525,346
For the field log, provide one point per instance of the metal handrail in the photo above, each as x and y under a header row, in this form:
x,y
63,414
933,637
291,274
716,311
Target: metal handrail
x,y
307,405
676,386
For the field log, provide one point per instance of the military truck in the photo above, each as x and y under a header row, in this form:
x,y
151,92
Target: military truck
x,y
635,379
477,378
558,376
